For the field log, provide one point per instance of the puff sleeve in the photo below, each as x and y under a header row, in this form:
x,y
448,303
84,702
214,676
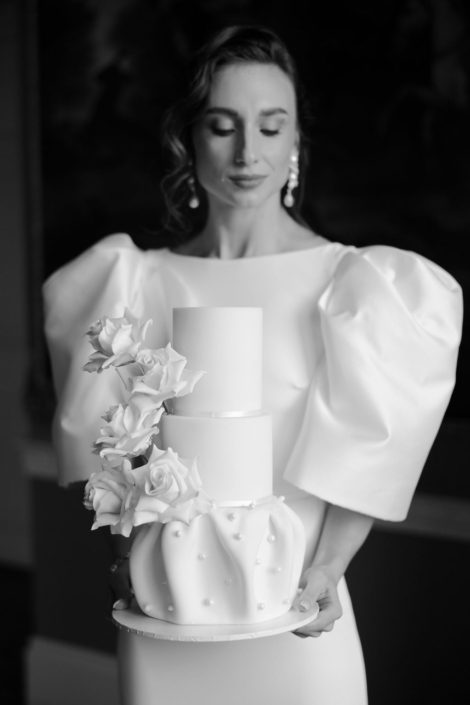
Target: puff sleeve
x,y
390,324
100,282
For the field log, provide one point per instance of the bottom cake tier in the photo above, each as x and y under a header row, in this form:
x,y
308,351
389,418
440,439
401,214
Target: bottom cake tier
x,y
233,565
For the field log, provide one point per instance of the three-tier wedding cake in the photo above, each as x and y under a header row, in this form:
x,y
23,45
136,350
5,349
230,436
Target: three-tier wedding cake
x,y
240,562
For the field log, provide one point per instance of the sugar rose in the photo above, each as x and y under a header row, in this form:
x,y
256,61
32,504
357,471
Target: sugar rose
x,y
111,493
116,341
166,378
170,489
129,430
148,358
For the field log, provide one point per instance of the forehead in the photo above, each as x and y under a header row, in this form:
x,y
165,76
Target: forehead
x,y
252,86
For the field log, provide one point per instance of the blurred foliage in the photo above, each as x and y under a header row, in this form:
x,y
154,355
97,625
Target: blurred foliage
x,y
389,85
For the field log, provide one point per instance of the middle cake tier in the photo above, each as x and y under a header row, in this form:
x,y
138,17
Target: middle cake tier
x,y
234,455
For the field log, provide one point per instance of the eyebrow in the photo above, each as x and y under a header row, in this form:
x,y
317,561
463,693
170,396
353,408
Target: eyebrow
x,y
233,113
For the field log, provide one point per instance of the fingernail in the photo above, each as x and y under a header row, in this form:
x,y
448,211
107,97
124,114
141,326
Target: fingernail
x,y
120,604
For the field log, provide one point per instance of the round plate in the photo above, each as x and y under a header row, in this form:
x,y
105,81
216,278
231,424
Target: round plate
x,y
133,620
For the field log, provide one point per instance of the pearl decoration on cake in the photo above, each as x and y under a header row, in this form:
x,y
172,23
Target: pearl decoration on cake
x,y
258,561
252,505
271,538
202,556
148,608
231,516
170,608
208,601
178,533
277,569
238,536
261,605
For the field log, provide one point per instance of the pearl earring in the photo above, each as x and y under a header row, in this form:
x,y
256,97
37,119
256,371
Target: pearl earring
x,y
193,200
292,181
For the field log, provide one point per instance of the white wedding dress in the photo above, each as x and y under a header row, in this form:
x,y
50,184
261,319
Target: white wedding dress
x,y
360,351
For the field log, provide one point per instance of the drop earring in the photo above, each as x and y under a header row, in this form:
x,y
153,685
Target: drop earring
x,y
193,199
292,181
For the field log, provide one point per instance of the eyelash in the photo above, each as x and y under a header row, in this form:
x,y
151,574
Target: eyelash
x,y
225,133
222,133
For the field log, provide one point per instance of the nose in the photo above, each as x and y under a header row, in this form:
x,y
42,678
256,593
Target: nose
x,y
245,149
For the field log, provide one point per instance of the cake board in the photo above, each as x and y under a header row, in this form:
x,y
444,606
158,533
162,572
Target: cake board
x,y
134,621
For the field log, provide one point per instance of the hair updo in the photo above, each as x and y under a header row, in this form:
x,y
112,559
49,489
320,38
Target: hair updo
x,y
232,45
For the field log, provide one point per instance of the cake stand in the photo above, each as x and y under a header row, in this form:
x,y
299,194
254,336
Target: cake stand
x,y
135,621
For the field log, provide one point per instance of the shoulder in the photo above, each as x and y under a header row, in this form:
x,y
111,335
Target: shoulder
x,y
396,266
113,267
113,252
380,282
104,249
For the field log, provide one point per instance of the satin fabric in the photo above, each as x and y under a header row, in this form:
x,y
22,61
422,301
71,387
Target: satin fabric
x,y
277,670
360,352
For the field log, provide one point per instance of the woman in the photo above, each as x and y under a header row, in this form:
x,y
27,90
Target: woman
x,y
360,355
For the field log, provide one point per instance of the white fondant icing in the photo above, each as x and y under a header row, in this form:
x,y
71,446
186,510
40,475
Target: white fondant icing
x,y
234,455
236,599
226,343
244,557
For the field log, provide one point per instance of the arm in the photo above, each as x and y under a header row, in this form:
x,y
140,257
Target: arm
x,y
343,533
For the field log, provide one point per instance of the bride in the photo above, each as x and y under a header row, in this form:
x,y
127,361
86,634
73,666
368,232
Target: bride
x,y
360,355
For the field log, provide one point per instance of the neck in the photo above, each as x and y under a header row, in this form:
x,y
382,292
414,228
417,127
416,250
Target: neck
x,y
231,233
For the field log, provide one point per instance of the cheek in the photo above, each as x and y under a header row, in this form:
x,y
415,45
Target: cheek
x,y
278,153
279,159
211,160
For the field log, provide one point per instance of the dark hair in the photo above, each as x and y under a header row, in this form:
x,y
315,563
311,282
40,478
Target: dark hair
x,y
236,44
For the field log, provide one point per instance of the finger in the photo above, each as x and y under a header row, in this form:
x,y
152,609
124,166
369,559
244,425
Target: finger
x,y
121,604
305,603
325,620
314,629
309,597
329,612
304,634
300,634
316,632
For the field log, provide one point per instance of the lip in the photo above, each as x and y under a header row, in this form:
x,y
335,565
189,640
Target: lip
x,y
247,181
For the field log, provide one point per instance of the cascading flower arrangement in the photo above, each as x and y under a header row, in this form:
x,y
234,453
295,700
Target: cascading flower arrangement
x,y
138,482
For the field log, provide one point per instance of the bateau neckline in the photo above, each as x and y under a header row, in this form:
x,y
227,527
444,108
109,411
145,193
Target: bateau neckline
x,y
254,258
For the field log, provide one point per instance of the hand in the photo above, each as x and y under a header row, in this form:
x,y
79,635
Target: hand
x,y
119,582
318,586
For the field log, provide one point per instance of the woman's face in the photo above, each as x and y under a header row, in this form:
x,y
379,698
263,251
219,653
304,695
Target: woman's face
x,y
246,135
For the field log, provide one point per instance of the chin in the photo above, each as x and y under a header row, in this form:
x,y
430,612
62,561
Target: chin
x,y
250,199
245,199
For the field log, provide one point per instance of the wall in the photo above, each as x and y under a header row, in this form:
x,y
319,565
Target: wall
x,y
15,501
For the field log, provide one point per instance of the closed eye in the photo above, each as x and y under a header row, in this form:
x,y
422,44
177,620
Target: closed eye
x,y
269,133
220,132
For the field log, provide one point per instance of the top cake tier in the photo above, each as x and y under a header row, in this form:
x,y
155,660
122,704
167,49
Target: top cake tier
x,y
225,342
